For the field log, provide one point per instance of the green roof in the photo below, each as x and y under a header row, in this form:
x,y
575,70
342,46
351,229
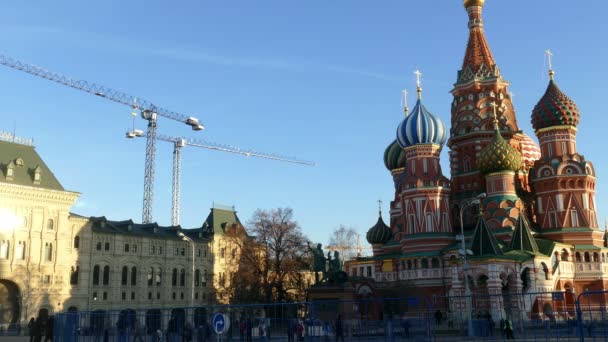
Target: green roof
x,y
25,163
567,230
545,246
425,235
522,237
484,241
219,219
587,247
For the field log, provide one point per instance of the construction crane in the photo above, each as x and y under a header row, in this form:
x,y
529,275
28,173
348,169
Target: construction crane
x,y
342,249
148,110
179,142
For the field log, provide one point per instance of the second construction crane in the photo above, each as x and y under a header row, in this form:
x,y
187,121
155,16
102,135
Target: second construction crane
x,y
179,143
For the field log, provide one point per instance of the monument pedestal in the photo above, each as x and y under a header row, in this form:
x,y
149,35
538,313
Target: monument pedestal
x,y
330,300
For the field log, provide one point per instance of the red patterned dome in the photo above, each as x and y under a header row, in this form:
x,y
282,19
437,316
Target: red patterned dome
x,y
554,109
530,152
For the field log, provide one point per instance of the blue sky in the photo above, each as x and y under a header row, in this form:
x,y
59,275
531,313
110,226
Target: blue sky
x,y
318,80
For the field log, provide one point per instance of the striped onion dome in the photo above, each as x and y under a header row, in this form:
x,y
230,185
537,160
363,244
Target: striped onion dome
x,y
421,127
499,156
379,234
530,152
394,157
554,109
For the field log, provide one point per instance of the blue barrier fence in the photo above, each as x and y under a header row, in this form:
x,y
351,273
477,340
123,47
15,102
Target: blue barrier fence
x,y
531,316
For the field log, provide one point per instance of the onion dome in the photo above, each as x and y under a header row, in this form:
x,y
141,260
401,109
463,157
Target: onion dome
x,y
530,152
499,155
554,109
394,158
380,233
421,127
469,3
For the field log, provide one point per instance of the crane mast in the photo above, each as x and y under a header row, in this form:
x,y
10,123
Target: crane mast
x,y
149,112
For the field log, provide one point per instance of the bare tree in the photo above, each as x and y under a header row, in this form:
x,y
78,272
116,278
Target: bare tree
x,y
344,240
273,261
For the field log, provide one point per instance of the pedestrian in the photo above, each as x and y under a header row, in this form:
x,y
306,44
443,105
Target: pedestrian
x,y
31,329
261,331
187,337
406,328
48,333
509,329
339,329
438,317
137,333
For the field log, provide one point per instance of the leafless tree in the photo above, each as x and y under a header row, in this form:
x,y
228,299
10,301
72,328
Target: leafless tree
x,y
344,240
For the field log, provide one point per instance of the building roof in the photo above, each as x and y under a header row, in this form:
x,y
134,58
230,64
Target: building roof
x,y
380,233
421,127
484,241
554,109
221,218
151,230
522,238
25,163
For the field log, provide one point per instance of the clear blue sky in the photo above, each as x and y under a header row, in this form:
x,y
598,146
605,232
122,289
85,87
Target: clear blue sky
x,y
319,80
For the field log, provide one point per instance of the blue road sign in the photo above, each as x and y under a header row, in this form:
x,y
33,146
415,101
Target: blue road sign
x,y
219,324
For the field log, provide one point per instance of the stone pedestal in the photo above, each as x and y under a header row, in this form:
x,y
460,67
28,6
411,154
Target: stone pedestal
x,y
328,301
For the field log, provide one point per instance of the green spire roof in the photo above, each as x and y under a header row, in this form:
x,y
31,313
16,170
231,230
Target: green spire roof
x,y
484,241
522,236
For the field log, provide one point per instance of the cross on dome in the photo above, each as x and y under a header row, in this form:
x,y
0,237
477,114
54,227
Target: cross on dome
x,y
550,58
495,116
418,87
379,207
405,108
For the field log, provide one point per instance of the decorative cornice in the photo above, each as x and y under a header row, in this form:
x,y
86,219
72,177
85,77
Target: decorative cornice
x,y
32,193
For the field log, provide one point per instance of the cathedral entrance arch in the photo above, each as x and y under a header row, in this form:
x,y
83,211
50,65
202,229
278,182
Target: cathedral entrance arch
x,y
9,303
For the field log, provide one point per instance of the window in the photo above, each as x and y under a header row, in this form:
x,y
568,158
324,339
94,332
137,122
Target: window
x,y
197,275
234,253
74,275
176,253
564,150
369,271
50,224
160,250
107,246
126,247
205,253
150,295
574,217
134,248
133,276
20,253
181,295
96,275
183,252
47,279
105,296
4,248
124,296
157,295
76,242
204,277
125,275
150,276
429,223
411,222
198,252
152,249
10,172
159,274
48,251
196,295
98,247
94,295
550,149
222,252
106,275
553,219
182,277
174,277
174,295
222,279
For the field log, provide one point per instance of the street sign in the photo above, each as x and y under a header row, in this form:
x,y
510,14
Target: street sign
x,y
219,323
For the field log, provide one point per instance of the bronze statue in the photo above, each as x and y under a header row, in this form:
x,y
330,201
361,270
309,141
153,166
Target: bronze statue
x,y
319,261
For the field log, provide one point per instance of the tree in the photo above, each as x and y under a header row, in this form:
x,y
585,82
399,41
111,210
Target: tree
x,y
273,259
344,240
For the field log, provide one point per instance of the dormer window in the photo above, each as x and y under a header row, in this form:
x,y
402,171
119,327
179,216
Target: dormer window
x,y
19,162
10,171
37,175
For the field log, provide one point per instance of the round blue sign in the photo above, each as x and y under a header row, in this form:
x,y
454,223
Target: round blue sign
x,y
219,324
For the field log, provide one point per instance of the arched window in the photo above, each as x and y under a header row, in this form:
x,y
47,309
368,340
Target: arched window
x,y
205,277
409,264
48,251
126,247
50,224
424,263
106,275
159,276
150,276
96,275
197,278
74,276
564,255
125,275
174,277
76,242
182,277
435,263
587,257
577,256
596,257
133,276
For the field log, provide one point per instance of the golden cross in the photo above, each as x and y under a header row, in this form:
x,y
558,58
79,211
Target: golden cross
x,y
549,56
380,206
404,92
418,76
494,105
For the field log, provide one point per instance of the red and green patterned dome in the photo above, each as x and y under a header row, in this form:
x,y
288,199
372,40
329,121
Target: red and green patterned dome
x,y
554,109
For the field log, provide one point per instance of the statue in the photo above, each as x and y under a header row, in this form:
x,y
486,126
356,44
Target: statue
x,y
319,261
336,263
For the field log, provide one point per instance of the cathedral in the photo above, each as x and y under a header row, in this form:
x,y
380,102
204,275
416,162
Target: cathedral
x,y
514,218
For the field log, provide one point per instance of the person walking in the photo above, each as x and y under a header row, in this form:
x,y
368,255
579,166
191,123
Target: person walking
x,y
31,329
48,331
509,329
339,329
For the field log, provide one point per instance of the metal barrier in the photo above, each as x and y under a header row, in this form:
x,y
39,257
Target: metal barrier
x,y
531,316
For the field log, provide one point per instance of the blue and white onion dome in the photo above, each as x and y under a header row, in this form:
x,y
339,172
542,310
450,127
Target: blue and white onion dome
x,y
421,127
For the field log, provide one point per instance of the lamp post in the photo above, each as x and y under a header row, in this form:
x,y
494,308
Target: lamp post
x,y
467,290
186,238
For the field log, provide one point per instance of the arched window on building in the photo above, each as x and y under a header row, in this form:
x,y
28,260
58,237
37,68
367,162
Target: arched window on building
x,y
125,275
74,275
48,251
174,277
565,255
20,252
182,277
435,263
133,276
577,256
159,276
96,275
596,257
424,263
587,257
106,275
197,278
76,242
150,276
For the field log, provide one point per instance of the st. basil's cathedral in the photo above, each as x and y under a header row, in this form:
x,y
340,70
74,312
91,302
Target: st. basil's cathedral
x,y
528,212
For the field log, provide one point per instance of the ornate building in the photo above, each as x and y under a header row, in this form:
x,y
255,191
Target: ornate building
x,y
53,260
528,214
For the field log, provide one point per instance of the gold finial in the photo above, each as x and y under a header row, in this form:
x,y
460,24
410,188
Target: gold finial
x,y
494,105
550,57
469,3
418,87
405,109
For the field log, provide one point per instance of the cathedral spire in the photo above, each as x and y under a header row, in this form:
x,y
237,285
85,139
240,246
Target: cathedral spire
x,y
478,55
550,58
522,239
